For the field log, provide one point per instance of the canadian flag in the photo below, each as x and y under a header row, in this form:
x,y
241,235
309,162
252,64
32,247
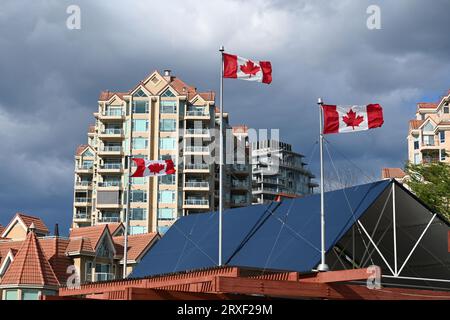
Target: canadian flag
x,y
153,167
340,119
242,68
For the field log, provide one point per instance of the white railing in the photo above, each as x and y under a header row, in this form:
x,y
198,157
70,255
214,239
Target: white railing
x,y
240,167
109,184
113,113
197,166
109,219
197,149
196,131
236,183
83,183
196,184
112,148
112,131
82,199
111,166
197,113
82,215
196,202
85,167
103,276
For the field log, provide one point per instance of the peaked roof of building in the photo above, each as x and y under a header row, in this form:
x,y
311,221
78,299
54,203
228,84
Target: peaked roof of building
x,y
137,244
27,221
388,173
415,124
80,149
94,233
427,105
106,95
114,227
80,245
30,266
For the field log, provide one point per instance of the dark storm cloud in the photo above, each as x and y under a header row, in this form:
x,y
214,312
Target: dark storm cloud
x,y
51,76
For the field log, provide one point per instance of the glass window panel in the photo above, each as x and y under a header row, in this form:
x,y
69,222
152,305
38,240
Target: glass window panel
x,y
140,143
137,230
30,294
166,213
138,214
140,107
11,295
168,93
167,143
167,125
140,125
168,107
167,196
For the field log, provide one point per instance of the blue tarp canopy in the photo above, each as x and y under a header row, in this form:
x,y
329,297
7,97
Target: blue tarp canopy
x,y
277,236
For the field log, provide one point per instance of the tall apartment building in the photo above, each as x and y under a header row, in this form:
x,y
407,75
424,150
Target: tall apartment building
x,y
429,134
161,117
277,170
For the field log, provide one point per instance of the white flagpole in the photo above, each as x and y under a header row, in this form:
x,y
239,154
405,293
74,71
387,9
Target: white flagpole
x,y
322,266
222,49
127,210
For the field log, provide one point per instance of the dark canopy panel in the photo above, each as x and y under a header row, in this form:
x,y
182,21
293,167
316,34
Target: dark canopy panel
x,y
279,236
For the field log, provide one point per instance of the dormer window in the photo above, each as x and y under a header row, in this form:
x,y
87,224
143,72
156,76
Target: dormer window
x,y
140,94
428,127
446,109
168,94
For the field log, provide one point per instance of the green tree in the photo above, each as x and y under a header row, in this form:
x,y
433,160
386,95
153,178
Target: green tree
x,y
431,183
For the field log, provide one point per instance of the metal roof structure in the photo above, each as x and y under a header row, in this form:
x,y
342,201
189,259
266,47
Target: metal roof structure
x,y
363,227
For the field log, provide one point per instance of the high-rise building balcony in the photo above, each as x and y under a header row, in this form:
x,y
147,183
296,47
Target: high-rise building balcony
x,y
197,114
111,205
196,203
196,132
108,219
196,185
111,134
82,216
110,168
110,150
84,168
196,167
240,168
196,149
83,185
240,185
111,115
110,184
82,201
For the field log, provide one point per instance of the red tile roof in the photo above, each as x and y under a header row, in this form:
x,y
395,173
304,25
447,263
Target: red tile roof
x,y
55,252
415,124
80,149
94,233
137,244
6,245
30,266
427,105
387,173
80,245
182,88
114,227
208,96
240,129
27,220
106,95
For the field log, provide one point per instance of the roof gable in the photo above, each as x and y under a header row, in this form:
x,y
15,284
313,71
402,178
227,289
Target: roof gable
x,y
24,221
30,266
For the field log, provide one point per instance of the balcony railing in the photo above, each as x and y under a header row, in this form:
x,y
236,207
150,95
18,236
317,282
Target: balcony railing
x,y
82,215
241,184
197,113
240,167
113,113
197,166
196,202
109,219
82,199
85,167
112,131
197,131
112,148
196,184
196,149
103,276
83,183
111,166
109,184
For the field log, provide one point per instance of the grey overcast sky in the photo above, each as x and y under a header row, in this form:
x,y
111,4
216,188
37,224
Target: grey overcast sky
x,y
51,76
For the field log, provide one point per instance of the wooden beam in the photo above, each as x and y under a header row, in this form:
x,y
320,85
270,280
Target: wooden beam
x,y
291,289
337,276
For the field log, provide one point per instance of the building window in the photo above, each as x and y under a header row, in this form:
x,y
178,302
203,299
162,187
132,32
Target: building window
x,y
167,179
140,94
428,140
442,136
168,94
140,143
166,196
166,214
446,109
88,271
167,143
138,214
168,125
11,295
416,158
140,125
138,229
140,107
168,107
416,143
442,155
138,196
428,127
138,181
29,294
163,229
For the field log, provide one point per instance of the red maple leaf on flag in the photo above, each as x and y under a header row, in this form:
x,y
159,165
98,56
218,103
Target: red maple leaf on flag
x,y
351,120
250,68
156,167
